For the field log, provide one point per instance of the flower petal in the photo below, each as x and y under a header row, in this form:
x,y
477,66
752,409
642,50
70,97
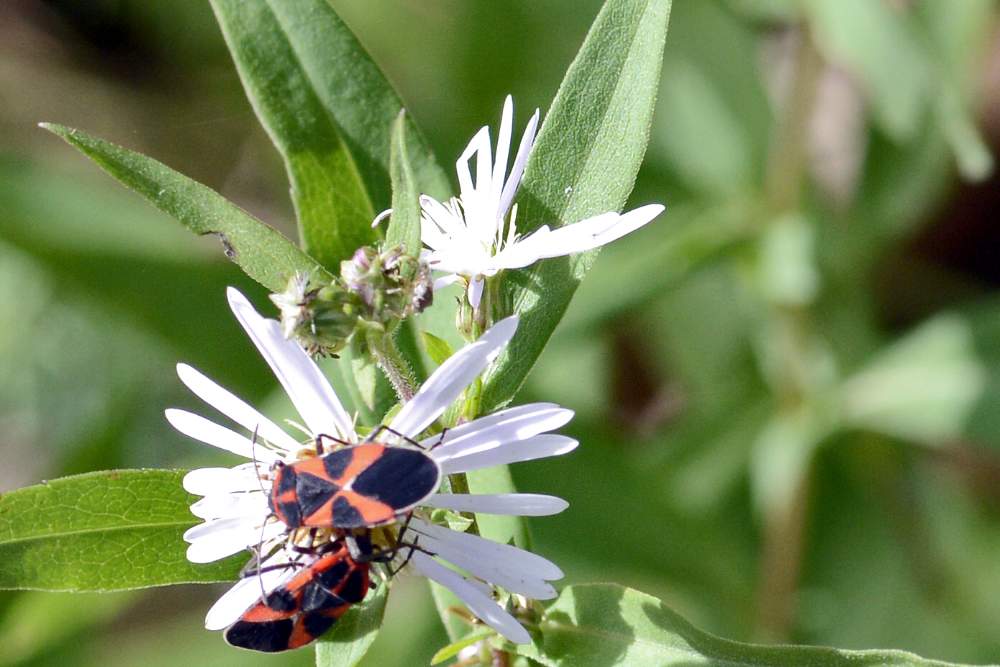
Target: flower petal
x,y
246,592
537,447
222,505
211,481
475,291
451,545
520,160
451,378
514,504
217,539
199,428
597,231
303,381
478,602
517,423
235,408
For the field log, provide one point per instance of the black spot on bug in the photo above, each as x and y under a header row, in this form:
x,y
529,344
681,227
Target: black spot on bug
x,y
344,514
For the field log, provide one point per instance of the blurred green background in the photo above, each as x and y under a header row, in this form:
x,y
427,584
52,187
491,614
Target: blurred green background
x,y
787,388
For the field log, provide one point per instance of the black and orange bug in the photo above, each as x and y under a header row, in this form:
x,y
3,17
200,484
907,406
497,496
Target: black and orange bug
x,y
356,486
310,603
306,606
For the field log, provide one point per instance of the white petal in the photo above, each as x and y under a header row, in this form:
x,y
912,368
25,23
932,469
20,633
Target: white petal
x,y
199,428
475,291
222,505
540,446
523,151
479,604
451,378
246,592
210,481
597,231
517,423
234,408
514,504
451,544
303,381
225,537
502,153
445,281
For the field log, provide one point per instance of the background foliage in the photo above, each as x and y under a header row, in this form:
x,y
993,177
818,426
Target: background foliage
x,y
786,388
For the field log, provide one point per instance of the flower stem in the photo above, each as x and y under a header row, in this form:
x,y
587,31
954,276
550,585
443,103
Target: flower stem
x,y
392,363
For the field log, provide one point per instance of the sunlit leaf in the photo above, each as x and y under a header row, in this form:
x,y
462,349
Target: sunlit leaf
x,y
584,162
102,531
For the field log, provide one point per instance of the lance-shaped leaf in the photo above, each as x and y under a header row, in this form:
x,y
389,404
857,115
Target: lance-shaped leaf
x,y
584,163
332,203
261,251
351,637
605,625
404,225
102,531
329,110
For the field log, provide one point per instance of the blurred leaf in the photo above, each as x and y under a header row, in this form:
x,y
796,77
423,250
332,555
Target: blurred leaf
x,y
331,200
404,224
37,621
102,531
438,349
360,102
878,44
606,624
584,163
263,253
350,638
924,387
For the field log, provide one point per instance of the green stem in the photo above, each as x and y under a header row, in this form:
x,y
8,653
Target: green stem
x,y
391,362
783,532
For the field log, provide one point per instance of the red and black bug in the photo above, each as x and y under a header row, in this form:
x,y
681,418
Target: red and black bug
x,y
306,606
356,486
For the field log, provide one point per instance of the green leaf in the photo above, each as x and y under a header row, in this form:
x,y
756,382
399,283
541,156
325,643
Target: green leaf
x,y
349,640
331,200
453,649
404,225
261,251
438,349
606,624
337,98
584,163
102,531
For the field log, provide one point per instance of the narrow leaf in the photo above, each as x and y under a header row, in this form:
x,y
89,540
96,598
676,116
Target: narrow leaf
x,y
584,163
330,197
404,225
102,531
356,93
438,349
261,251
453,649
606,624
349,640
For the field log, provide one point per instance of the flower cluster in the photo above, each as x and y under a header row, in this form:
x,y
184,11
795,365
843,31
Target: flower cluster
x,y
235,503
318,511
375,290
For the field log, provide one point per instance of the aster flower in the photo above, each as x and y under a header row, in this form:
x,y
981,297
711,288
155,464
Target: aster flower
x,y
471,238
234,503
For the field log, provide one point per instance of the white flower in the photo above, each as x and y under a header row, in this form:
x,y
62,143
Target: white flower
x,y
468,238
234,504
